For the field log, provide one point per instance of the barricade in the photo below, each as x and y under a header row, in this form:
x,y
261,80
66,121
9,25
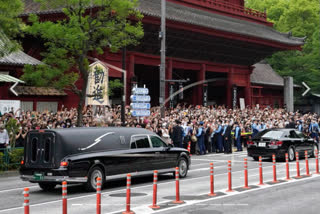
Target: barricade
x,y
298,166
99,195
287,167
177,201
307,163
155,181
246,174
211,181
229,177
128,211
260,171
274,169
64,198
317,161
26,200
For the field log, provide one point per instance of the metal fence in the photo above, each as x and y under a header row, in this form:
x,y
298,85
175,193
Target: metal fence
x,y
10,158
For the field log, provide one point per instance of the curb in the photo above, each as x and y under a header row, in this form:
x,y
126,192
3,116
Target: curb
x,y
9,173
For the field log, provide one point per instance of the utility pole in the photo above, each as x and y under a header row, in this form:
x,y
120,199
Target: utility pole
x,y
122,89
162,36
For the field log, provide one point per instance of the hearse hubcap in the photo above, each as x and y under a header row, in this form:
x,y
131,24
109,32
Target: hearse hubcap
x,y
183,167
291,154
95,175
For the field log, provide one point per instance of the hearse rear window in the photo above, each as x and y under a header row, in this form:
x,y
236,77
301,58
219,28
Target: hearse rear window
x,y
34,148
140,142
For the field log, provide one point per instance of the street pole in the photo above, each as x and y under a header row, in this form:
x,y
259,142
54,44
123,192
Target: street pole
x,y
163,58
122,89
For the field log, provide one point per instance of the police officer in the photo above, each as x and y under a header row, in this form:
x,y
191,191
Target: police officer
x,y
200,136
254,128
314,130
218,132
237,136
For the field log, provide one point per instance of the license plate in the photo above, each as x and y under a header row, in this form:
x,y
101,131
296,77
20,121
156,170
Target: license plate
x,y
38,176
262,144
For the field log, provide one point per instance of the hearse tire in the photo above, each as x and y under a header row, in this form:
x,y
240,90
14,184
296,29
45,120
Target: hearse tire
x,y
182,163
47,186
93,174
256,158
314,148
291,154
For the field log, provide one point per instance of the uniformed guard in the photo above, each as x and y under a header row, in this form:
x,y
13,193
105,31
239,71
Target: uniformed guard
x,y
237,137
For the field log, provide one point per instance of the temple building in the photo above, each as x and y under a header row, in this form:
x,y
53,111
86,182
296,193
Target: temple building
x,y
206,39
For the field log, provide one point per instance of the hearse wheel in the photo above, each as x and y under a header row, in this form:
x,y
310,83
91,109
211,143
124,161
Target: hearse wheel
x,y
93,174
314,148
47,186
183,167
291,153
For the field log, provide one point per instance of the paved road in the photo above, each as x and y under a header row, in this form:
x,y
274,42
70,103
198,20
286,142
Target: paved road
x,y
193,190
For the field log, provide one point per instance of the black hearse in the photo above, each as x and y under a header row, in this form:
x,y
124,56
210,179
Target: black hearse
x,y
80,155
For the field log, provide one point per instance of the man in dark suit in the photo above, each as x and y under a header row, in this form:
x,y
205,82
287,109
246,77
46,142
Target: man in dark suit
x,y
228,139
177,134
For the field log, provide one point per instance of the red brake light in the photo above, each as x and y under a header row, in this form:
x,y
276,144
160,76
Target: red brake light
x,y
22,162
276,143
64,164
250,143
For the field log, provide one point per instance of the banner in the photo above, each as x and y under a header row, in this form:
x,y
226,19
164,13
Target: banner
x,y
97,89
205,95
242,104
9,105
234,96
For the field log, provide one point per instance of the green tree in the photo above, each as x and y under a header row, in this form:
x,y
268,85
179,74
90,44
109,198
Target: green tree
x,y
301,17
10,25
90,26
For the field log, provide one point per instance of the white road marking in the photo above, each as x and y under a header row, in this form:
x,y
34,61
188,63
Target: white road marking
x,y
20,188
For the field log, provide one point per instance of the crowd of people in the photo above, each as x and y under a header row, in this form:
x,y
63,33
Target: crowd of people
x,y
208,129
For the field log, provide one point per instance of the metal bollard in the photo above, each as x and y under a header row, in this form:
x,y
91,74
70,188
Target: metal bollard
x,y
64,198
128,211
155,181
177,201
211,181
98,195
260,171
26,200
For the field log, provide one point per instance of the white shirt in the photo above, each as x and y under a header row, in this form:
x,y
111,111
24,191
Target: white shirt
x,y
4,138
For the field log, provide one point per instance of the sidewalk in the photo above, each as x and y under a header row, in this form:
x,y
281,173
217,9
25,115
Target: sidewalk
x,y
12,173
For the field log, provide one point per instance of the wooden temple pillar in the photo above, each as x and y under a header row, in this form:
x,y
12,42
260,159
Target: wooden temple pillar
x,y
230,82
248,90
201,75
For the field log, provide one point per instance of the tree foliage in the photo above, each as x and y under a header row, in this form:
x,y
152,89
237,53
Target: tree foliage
x,y
10,25
90,26
301,17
